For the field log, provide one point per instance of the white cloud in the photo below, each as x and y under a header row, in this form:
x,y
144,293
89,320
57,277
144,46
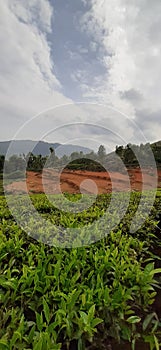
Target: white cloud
x,y
126,38
33,11
130,35
28,84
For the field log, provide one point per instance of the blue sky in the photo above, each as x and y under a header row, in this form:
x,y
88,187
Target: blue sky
x,y
57,52
76,56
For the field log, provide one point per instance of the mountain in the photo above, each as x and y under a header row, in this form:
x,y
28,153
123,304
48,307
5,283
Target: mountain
x,y
38,147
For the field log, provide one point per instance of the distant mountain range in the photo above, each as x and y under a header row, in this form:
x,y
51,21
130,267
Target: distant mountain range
x,y
38,147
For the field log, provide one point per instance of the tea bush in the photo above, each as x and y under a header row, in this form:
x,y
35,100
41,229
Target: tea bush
x,y
53,298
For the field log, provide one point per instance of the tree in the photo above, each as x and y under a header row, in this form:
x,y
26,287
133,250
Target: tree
x,y
64,159
119,150
15,163
91,155
101,153
2,158
53,159
74,156
52,151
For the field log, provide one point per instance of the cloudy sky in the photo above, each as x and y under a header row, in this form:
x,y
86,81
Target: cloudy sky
x,y
99,52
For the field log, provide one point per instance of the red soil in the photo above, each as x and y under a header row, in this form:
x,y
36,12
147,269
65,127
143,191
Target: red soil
x,y
70,181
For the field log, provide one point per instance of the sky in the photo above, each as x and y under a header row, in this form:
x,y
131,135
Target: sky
x,y
104,54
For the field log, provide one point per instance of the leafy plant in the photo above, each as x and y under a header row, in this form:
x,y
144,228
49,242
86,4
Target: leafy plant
x,y
52,297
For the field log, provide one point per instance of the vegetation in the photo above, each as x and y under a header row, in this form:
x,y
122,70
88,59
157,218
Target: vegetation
x,y
129,152
91,161
96,296
84,298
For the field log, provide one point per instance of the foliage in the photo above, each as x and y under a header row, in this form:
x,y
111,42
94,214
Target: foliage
x,y
52,298
91,161
32,162
129,153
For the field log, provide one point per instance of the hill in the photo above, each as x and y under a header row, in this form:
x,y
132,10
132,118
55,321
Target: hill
x,y
39,147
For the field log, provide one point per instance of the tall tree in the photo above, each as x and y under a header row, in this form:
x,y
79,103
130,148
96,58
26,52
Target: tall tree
x,y
101,153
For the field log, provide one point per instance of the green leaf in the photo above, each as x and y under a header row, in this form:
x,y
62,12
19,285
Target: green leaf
x,y
156,342
133,344
126,333
96,321
31,334
147,320
133,319
80,344
83,299
149,268
15,337
3,345
39,345
39,321
46,310
73,297
153,272
84,317
91,312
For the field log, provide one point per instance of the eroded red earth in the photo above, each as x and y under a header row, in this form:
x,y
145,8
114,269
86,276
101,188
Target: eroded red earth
x,y
90,182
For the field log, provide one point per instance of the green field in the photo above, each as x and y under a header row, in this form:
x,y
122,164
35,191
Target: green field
x,y
93,297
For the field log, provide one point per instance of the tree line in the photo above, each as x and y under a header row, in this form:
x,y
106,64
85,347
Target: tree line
x,y
131,153
32,162
79,161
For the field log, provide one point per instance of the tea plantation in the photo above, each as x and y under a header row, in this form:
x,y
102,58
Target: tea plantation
x,y
99,296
